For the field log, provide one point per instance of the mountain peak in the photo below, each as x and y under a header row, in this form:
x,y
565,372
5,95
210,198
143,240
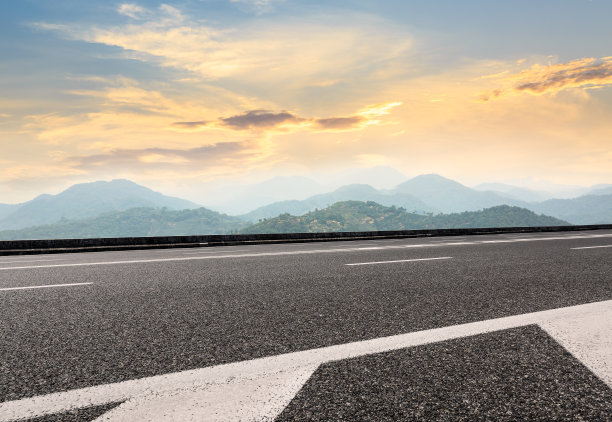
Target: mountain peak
x,y
88,200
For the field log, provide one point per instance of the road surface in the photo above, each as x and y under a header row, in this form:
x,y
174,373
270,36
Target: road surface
x,y
502,327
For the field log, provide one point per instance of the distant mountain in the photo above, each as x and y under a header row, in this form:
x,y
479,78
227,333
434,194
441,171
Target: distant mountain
x,y
7,209
601,190
515,192
370,216
133,222
449,196
588,209
355,192
380,177
241,199
88,200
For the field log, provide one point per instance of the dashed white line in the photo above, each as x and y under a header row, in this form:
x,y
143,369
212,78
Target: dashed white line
x,y
592,247
400,260
306,252
46,286
211,252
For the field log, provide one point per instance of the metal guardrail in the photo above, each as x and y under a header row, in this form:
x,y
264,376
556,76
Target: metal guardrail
x,y
41,246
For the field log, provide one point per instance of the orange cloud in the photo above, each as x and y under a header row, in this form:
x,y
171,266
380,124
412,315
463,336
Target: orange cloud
x,y
208,155
265,120
259,119
190,126
340,123
588,73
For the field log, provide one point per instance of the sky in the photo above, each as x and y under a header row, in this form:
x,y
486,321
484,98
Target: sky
x,y
192,96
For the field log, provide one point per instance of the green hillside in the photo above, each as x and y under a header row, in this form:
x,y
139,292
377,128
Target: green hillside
x,y
134,222
342,216
370,216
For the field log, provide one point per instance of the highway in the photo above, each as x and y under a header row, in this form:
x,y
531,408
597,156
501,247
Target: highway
x,y
494,327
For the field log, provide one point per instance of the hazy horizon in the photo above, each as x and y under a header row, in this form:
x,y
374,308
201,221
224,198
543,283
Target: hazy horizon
x,y
197,98
241,197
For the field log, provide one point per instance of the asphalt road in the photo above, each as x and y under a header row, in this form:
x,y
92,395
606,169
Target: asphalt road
x,y
70,321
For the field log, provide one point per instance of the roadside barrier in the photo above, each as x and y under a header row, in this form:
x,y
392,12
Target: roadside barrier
x,y
43,246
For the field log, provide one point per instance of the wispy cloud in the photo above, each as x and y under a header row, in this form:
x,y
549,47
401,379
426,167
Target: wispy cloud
x,y
307,53
131,10
257,6
266,120
340,123
588,73
190,126
208,155
260,119
585,73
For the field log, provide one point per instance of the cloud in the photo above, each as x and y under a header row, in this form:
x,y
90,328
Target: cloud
x,y
257,6
190,126
585,73
340,123
209,155
266,120
588,73
131,10
309,52
259,119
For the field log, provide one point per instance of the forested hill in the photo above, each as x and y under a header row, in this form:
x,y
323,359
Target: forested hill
x,y
370,216
134,222
342,216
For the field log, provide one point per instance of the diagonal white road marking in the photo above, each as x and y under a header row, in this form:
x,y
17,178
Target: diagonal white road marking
x,y
285,372
46,286
308,252
588,337
592,247
260,398
400,260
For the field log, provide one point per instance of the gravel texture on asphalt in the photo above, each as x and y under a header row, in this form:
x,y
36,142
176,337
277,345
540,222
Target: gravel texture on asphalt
x,y
78,415
144,319
510,375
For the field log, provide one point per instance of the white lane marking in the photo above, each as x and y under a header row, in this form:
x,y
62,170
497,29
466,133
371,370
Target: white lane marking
x,y
309,251
31,260
180,383
209,252
400,260
261,398
587,337
592,247
46,286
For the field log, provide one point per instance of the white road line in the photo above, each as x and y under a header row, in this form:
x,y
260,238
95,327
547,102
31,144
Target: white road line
x,y
47,286
274,378
22,261
400,260
592,247
307,251
210,252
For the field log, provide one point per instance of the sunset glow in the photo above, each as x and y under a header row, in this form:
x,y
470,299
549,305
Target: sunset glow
x,y
184,95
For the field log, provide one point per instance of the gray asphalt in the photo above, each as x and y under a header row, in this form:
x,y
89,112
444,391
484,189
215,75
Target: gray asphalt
x,y
520,374
139,319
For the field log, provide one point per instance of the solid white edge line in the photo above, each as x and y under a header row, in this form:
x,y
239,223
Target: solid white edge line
x,y
46,286
305,252
107,393
400,260
592,247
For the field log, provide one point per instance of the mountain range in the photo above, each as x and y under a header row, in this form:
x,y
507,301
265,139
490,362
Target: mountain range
x,y
432,193
370,216
86,200
341,216
425,194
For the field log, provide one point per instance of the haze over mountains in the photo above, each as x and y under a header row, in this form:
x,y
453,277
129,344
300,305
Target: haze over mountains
x,y
86,200
425,194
